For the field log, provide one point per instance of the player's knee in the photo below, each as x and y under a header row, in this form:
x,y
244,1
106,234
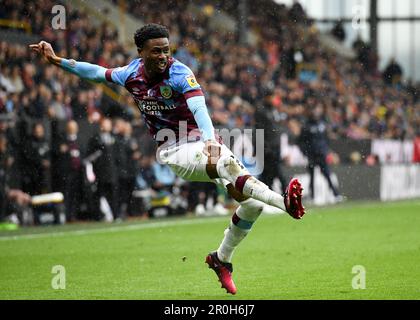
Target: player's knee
x,y
250,209
229,167
235,194
252,186
252,205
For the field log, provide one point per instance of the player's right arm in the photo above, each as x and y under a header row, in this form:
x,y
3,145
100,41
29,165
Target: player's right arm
x,y
82,69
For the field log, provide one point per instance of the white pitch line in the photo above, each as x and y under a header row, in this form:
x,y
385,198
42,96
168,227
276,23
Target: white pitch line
x,y
150,225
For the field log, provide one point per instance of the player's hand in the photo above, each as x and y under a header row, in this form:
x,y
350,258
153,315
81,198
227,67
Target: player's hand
x,y
212,150
45,49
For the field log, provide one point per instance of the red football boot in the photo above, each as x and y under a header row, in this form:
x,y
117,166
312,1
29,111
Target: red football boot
x,y
223,270
293,199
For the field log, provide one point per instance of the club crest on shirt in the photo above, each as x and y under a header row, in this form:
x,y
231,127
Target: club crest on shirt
x,y
191,81
166,91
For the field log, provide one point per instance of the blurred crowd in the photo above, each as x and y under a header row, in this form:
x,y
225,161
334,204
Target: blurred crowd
x,y
281,68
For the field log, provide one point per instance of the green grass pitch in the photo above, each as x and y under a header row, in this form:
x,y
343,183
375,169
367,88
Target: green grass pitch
x,y
280,259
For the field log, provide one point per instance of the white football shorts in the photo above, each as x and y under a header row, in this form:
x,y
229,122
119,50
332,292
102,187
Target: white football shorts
x,y
188,161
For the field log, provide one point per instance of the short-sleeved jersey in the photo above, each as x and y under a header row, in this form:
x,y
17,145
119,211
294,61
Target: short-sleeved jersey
x,y
162,103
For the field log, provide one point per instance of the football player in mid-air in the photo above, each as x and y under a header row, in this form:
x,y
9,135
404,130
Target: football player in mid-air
x,y
173,106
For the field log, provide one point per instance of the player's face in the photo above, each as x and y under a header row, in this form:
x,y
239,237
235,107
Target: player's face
x,y
155,54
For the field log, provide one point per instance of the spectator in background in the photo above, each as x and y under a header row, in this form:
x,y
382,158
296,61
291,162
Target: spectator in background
x,y
10,135
145,179
265,118
367,57
197,197
59,108
37,160
121,164
185,56
338,32
287,66
134,156
101,153
13,201
168,185
297,13
313,142
164,177
392,73
67,167
37,153
126,155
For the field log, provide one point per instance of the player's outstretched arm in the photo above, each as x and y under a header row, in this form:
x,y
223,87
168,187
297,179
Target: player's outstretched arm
x,y
198,107
183,80
82,69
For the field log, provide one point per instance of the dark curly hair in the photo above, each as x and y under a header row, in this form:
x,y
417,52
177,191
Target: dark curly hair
x,y
150,31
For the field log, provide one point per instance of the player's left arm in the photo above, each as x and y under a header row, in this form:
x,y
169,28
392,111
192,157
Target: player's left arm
x,y
184,81
197,105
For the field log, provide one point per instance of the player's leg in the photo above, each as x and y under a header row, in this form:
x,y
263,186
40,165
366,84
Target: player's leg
x,y
189,162
230,168
239,227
